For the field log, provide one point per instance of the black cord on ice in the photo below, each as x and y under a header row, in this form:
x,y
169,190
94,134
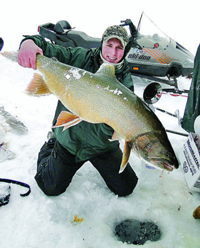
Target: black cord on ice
x,y
18,183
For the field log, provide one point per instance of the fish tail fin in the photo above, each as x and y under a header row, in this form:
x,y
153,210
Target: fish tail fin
x,y
11,55
38,86
126,155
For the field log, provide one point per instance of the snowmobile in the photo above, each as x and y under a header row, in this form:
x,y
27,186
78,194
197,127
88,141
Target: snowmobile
x,y
151,57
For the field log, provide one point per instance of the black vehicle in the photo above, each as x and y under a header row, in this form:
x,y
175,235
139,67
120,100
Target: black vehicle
x,y
151,55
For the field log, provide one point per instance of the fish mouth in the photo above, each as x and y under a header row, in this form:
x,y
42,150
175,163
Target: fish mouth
x,y
160,164
164,165
168,166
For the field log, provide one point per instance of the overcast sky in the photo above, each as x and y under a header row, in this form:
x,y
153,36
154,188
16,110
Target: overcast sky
x,y
178,19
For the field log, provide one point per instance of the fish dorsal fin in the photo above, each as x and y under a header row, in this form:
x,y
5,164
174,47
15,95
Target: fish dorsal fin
x,y
106,70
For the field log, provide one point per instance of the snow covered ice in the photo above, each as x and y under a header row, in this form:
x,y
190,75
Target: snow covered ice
x,y
48,222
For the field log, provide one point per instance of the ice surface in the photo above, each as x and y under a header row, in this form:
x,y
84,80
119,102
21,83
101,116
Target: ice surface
x,y
48,222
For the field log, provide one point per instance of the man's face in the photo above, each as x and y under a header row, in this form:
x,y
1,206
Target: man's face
x,y
112,50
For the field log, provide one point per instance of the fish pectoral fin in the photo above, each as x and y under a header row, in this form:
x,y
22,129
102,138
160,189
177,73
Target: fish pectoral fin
x,y
38,86
66,120
126,155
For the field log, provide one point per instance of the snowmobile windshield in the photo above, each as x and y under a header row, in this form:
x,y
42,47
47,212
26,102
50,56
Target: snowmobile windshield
x,y
150,35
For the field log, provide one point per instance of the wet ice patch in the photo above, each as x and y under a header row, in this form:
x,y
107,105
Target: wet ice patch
x,y
5,153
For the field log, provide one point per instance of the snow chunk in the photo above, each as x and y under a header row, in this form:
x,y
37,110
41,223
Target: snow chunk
x,y
75,73
116,91
67,76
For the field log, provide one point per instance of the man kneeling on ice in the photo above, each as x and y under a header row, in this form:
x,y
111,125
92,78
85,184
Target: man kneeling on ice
x,y
65,152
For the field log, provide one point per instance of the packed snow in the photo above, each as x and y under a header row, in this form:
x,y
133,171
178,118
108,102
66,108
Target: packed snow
x,y
86,214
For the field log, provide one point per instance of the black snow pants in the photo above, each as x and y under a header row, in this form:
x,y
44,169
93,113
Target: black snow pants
x,y
56,168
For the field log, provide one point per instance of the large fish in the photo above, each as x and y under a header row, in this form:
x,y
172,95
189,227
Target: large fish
x,y
101,98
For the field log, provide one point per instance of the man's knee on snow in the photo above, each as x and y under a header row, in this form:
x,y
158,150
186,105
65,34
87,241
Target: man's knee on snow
x,y
125,192
52,191
127,189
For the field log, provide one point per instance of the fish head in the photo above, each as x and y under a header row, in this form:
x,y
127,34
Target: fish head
x,y
155,149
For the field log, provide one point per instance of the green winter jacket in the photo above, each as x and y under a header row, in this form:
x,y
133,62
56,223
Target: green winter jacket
x,y
84,140
192,109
